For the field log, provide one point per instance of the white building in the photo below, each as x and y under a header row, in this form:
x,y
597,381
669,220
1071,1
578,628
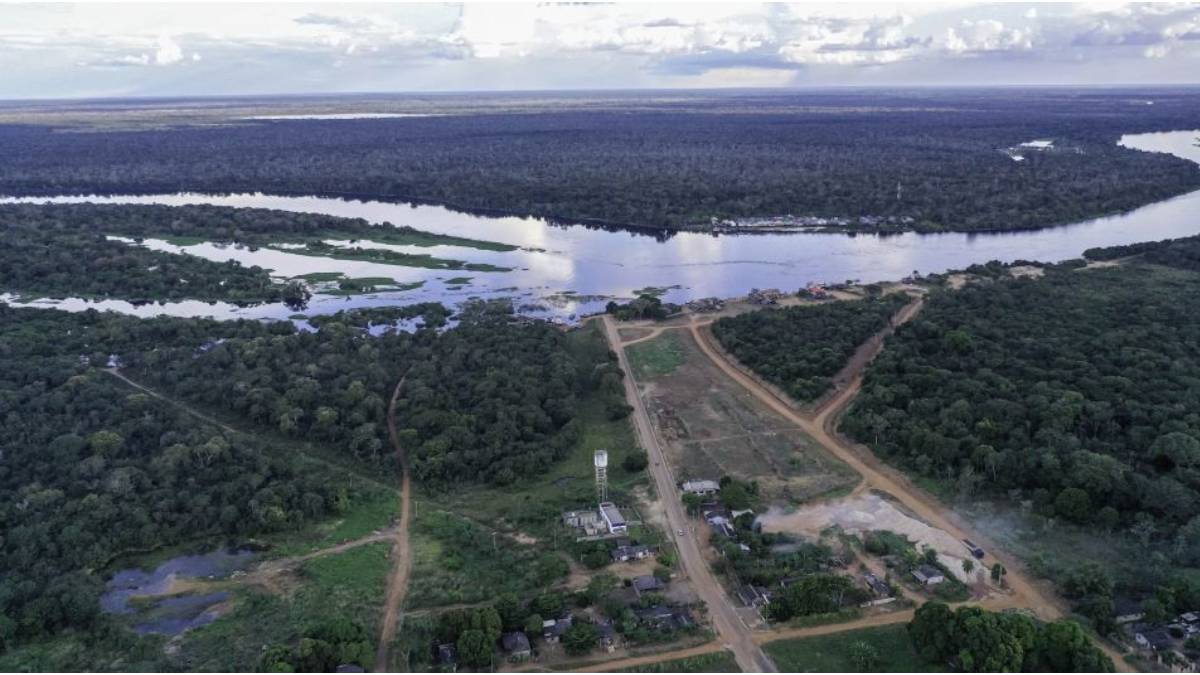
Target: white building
x,y
701,487
613,518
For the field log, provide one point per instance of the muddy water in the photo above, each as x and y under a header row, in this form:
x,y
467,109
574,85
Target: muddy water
x,y
563,271
165,606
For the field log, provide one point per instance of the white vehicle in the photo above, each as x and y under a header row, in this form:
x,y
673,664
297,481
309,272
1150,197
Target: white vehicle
x,y
680,532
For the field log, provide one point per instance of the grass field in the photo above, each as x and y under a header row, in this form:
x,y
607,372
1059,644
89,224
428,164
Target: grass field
x,y
657,357
713,427
832,653
717,662
458,561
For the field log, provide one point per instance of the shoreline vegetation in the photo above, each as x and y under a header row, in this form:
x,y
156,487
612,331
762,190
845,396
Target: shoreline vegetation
x,y
94,251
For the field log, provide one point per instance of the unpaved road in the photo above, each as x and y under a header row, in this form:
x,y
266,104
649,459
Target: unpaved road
x,y
397,584
875,474
612,666
728,625
879,476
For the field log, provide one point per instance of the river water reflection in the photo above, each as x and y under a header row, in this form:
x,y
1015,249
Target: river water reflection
x,y
562,271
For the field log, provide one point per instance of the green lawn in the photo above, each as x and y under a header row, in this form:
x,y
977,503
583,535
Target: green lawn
x,y
370,509
657,357
717,662
831,653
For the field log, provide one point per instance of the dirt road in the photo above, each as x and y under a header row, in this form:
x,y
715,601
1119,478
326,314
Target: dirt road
x,y
879,476
728,625
397,584
620,664
875,474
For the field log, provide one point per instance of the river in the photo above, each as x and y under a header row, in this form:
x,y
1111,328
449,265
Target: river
x,y
564,271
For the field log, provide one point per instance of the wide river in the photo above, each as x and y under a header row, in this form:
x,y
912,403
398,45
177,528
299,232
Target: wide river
x,y
563,271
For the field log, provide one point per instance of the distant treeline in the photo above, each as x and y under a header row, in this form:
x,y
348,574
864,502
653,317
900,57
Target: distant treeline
x,y
1182,253
937,157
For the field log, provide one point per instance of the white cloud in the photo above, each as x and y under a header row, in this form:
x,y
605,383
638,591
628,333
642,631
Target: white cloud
x,y
168,52
986,35
378,46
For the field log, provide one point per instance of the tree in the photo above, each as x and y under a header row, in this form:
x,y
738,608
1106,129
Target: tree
x,y
968,565
864,656
932,630
600,585
998,574
635,461
1073,504
533,626
1063,647
580,638
474,649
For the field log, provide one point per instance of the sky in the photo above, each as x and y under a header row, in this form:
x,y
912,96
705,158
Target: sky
x,y
109,50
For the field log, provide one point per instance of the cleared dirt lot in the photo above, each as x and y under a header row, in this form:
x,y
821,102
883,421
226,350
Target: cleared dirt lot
x,y
712,427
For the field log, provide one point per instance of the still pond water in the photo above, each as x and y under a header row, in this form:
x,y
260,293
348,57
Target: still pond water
x,y
563,271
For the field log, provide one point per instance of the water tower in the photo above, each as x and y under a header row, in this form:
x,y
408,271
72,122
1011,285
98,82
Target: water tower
x,y
601,462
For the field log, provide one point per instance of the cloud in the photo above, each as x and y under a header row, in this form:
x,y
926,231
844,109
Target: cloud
x,y
986,35
168,52
380,47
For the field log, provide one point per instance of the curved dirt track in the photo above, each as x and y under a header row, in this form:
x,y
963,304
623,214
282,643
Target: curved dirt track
x,y
877,475
397,584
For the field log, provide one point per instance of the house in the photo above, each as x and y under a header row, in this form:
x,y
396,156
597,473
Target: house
x,y
682,618
1128,610
768,296
1158,639
647,584
656,617
607,634
613,518
516,645
750,596
553,629
627,553
928,575
722,528
590,521
701,487
447,656
881,592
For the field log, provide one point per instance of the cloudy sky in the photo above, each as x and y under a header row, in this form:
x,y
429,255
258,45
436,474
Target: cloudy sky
x,y
87,50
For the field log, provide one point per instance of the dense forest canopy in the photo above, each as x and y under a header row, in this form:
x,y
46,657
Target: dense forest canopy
x,y
489,401
938,157
1079,390
91,469
800,348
